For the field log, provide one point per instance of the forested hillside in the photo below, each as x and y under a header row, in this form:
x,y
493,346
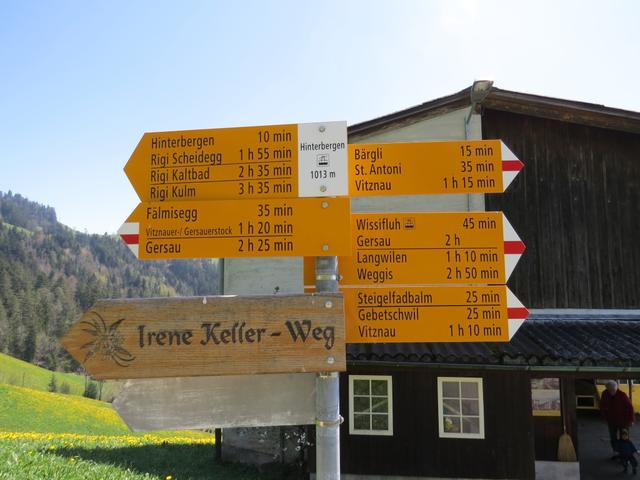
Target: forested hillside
x,y
49,274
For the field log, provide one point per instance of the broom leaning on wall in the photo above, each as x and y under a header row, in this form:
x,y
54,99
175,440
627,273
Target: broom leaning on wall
x,y
566,450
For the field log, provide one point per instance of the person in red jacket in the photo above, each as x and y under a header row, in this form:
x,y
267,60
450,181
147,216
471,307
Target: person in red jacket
x,y
617,410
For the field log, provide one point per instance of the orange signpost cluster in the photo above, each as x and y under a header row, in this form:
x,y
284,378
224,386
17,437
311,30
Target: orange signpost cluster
x,y
240,192
281,190
264,191
429,277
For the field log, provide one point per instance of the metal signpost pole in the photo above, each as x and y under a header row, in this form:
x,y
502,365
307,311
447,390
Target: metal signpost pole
x,y
327,390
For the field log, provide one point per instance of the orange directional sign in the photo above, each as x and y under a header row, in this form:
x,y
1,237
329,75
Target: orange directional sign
x,y
427,248
273,161
186,337
239,228
430,248
432,314
474,166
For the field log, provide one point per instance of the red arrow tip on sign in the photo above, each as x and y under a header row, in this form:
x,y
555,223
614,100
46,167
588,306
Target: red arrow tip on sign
x,y
511,166
513,247
130,234
516,312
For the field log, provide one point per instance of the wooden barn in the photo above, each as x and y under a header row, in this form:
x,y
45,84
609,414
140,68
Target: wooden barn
x,y
499,425
497,410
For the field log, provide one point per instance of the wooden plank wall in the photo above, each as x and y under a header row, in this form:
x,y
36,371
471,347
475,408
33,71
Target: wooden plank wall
x,y
576,206
415,449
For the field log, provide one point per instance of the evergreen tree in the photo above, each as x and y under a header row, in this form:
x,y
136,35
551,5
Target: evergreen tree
x,y
4,328
16,329
91,390
29,346
53,384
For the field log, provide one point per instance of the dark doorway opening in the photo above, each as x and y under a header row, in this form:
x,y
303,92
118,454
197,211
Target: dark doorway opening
x,y
594,453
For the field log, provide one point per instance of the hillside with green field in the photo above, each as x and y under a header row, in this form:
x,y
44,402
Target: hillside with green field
x,y
27,410
63,437
23,374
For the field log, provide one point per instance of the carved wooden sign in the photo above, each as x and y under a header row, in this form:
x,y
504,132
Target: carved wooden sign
x,y
199,336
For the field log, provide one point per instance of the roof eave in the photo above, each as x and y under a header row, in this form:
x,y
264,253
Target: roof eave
x,y
564,110
594,369
515,102
432,108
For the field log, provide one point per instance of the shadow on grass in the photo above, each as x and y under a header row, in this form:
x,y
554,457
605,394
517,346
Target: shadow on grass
x,y
179,461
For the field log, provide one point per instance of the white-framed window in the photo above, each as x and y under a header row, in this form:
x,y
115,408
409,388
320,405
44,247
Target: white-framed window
x,y
370,405
460,407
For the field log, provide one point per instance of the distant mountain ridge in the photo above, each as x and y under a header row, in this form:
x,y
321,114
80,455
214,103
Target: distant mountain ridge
x,y
50,274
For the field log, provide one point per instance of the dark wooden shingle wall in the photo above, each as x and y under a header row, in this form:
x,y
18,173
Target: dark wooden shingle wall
x,y
577,208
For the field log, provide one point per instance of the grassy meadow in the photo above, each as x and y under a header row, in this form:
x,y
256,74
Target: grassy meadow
x,y
66,437
27,410
23,374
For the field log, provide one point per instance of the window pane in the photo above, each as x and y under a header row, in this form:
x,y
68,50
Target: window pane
x,y
470,425
451,389
469,389
451,407
380,405
470,407
380,422
452,424
362,422
361,404
361,387
379,387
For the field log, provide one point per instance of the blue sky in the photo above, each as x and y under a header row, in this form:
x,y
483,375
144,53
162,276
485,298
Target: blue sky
x,y
80,82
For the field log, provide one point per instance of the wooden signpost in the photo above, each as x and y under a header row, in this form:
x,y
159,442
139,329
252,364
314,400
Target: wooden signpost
x,y
430,248
247,228
169,337
236,192
184,403
232,193
462,313
470,166
272,161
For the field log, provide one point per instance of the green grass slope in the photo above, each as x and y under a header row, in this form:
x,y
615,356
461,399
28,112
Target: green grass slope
x,y
24,374
66,437
117,458
27,410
